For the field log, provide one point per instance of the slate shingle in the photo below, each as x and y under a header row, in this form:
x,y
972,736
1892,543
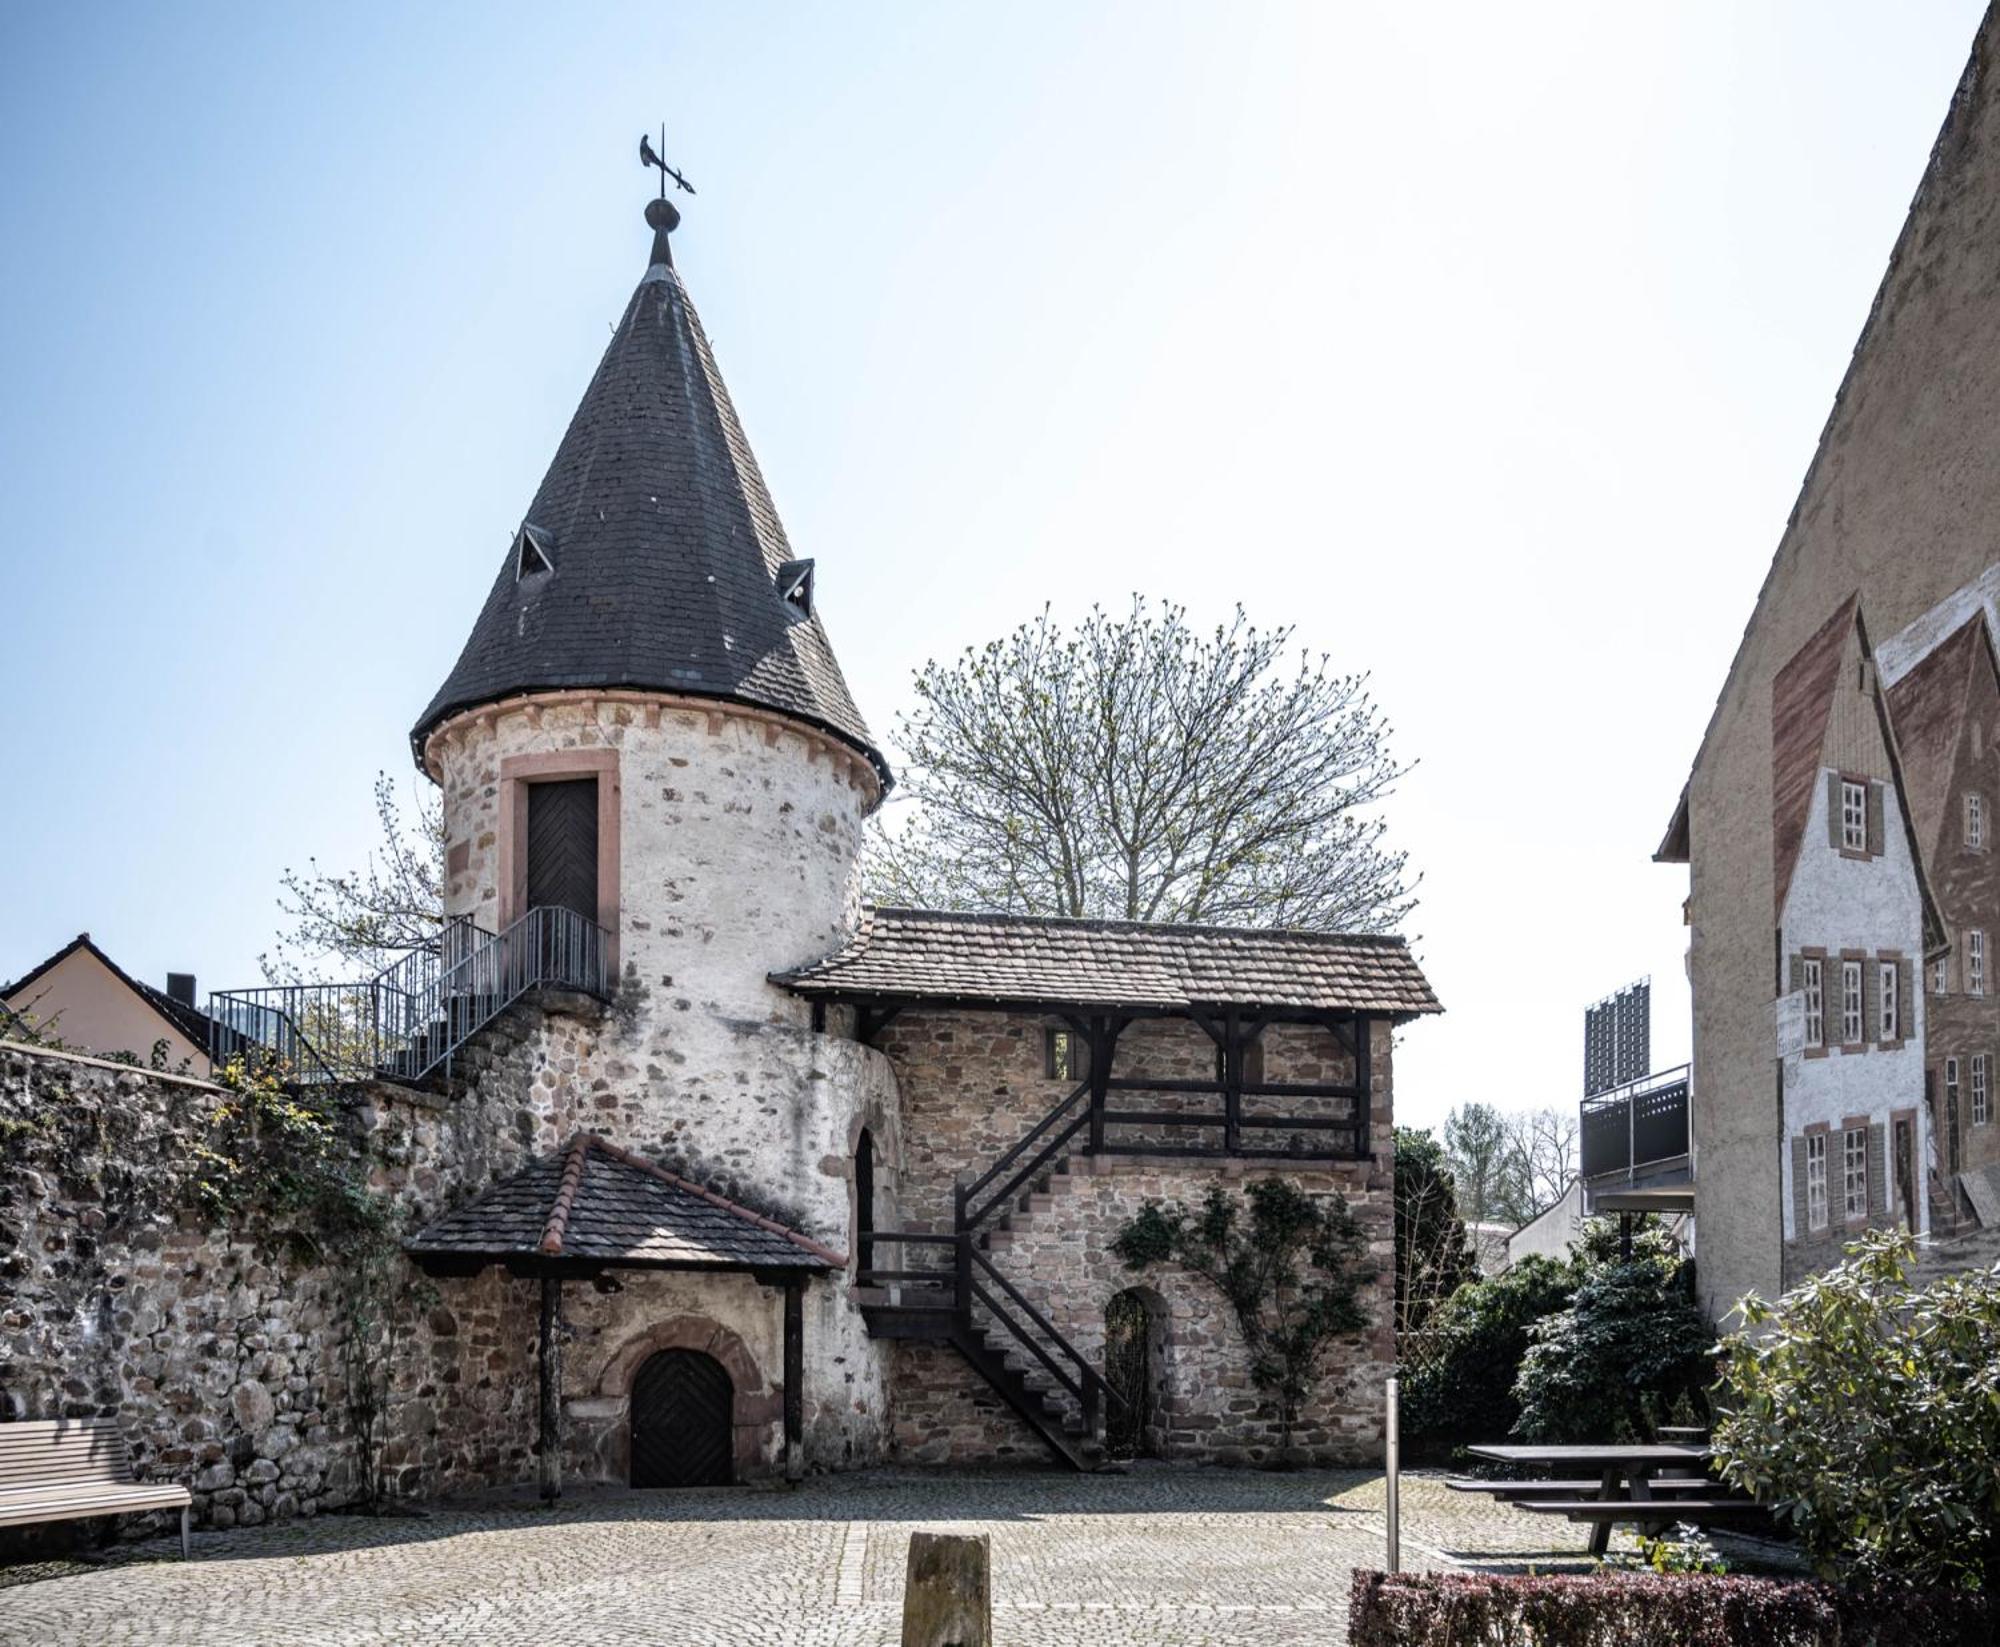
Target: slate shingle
x,y
920,954
598,1202
664,543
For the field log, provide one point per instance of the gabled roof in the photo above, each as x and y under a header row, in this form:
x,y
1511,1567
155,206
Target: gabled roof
x,y
1801,701
597,1204
1928,705
1021,960
188,1020
662,548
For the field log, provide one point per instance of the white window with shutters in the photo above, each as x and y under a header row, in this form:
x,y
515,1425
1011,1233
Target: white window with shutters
x,y
1982,1103
1941,975
1890,1005
1816,1180
1854,1172
1975,963
1853,815
1850,1003
1975,821
1812,984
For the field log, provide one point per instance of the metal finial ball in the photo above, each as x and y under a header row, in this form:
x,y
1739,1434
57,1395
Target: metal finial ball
x,y
660,214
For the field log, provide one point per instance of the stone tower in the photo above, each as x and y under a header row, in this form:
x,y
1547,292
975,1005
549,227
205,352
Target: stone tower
x,y
647,727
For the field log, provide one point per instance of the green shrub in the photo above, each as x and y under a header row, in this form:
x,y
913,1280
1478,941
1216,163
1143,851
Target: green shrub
x,y
1461,1390
1630,1352
1868,1413
1650,1610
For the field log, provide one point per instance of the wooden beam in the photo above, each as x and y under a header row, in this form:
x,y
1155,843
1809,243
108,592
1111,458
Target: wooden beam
x,y
795,1378
549,1365
1364,1083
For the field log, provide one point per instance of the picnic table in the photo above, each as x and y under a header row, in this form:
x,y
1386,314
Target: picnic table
x,y
1654,1484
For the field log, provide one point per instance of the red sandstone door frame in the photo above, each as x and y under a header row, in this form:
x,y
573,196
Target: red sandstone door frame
x,y
517,773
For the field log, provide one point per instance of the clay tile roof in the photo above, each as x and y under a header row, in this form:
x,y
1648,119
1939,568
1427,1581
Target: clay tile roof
x,y
656,549
600,1204
996,960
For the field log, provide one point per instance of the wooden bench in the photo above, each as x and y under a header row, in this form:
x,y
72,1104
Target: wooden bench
x,y
67,1468
1508,1491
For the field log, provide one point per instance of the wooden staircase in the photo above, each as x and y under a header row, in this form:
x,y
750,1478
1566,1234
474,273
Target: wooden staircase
x,y
962,1299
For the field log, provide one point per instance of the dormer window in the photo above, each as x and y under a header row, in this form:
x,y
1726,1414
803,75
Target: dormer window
x,y
795,586
534,553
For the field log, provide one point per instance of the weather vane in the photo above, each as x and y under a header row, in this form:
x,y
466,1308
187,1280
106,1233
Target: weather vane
x,y
648,156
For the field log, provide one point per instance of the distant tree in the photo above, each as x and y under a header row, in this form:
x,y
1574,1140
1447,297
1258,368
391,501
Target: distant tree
x,y
1537,1163
1476,1144
1433,1257
1134,769
343,925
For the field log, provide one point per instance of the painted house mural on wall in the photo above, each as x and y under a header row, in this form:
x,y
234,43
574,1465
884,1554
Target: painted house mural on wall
x,y
1854,923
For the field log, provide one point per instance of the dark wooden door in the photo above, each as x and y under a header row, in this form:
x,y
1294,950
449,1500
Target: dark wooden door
x,y
681,1430
562,846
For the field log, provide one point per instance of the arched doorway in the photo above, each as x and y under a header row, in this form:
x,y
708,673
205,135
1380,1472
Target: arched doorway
x,y
682,1433
1135,1344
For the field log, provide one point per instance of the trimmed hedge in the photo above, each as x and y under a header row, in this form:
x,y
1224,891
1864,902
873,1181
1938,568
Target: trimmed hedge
x,y
1651,1610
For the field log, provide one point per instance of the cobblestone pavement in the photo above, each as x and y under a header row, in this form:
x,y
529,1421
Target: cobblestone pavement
x,y
1164,1558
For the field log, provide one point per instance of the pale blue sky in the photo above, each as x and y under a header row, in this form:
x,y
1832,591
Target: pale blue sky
x,y
1486,344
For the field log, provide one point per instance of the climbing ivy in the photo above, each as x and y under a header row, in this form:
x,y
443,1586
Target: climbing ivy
x,y
1291,1273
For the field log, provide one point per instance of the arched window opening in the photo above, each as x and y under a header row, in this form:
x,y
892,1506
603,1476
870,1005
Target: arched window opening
x,y
864,1200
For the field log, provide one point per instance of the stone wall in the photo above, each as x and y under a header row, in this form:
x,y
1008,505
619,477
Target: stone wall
x,y
222,1349
974,1083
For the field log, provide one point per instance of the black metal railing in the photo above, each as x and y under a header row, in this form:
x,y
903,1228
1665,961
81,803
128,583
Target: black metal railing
x,y
412,1017
1636,1125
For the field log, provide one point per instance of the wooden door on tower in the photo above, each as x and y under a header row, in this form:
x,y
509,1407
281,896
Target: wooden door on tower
x,y
562,846
682,1429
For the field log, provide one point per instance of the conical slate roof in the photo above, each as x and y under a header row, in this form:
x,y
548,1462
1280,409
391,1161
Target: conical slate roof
x,y
652,557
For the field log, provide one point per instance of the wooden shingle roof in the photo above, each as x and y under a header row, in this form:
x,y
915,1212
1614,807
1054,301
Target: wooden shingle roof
x,y
598,1204
1001,960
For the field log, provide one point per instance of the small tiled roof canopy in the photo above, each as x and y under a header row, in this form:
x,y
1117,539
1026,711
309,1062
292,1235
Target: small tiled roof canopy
x,y
1001,960
596,1205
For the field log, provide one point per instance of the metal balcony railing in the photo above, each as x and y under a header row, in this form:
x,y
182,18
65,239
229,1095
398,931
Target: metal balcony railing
x,y
1636,1125
409,1020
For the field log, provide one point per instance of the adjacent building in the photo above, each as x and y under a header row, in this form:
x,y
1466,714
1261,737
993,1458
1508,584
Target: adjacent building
x,y
82,998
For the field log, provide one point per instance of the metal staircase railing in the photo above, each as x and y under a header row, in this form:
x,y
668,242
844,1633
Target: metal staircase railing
x,y
409,1021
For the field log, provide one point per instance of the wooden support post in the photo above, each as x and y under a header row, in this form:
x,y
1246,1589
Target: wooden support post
x,y
1100,1044
795,1378
549,1365
1364,1083
948,1591
1232,1082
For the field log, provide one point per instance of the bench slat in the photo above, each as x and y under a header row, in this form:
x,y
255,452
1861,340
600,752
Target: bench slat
x,y
164,1491
1659,1509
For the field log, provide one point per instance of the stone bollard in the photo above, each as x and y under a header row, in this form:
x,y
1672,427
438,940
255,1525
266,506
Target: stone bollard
x,y
948,1591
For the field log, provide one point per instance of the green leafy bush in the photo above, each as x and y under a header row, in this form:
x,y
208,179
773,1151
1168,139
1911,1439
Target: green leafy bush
x,y
1652,1610
1868,1413
1630,1352
1461,1390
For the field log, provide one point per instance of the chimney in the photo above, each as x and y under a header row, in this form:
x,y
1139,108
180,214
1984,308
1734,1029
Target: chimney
x,y
180,987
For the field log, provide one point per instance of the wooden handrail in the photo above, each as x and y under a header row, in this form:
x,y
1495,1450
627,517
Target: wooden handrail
x,y
1091,1374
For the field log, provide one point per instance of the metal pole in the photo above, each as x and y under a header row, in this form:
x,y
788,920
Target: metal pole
x,y
1394,1460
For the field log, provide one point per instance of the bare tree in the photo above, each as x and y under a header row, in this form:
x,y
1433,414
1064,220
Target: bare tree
x,y
1134,769
1539,1163
344,924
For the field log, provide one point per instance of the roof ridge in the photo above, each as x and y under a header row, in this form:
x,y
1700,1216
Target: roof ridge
x,y
599,1142
559,1209
1099,923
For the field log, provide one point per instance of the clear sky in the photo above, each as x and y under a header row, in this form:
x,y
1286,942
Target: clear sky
x,y
1487,345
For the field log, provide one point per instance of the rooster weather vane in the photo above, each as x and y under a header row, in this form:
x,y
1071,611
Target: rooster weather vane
x,y
648,156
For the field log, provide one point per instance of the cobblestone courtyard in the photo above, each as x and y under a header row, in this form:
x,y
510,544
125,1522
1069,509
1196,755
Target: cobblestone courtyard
x,y
1154,1557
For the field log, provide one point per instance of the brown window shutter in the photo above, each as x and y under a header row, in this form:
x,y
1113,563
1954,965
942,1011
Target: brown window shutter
x,y
1878,1184
1871,1000
1798,974
1875,837
1906,1022
1801,1228
1833,810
